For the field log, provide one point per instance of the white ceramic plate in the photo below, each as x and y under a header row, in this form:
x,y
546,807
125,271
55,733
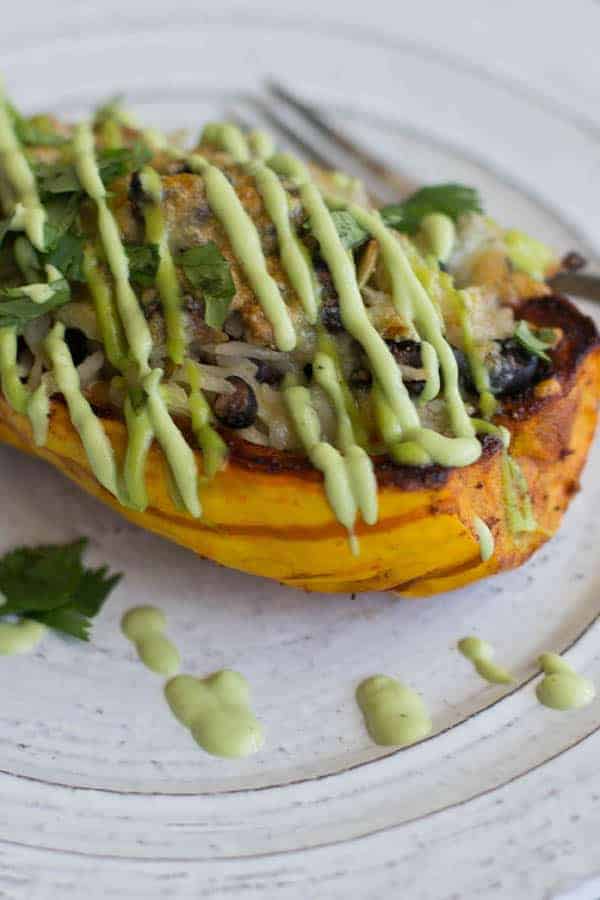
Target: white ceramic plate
x,y
102,793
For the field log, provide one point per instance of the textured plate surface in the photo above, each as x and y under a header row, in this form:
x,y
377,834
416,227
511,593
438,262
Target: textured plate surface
x,y
94,768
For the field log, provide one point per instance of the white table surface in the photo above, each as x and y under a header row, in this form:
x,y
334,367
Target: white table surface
x,y
548,49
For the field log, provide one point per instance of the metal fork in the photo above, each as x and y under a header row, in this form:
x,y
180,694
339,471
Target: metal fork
x,y
364,163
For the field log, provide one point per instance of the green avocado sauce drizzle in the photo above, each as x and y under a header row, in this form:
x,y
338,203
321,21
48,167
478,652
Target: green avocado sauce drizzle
x,y
517,499
561,687
178,452
214,448
29,211
20,637
360,469
108,319
481,654
12,387
134,324
324,457
140,435
93,437
261,144
145,627
293,256
38,410
215,709
166,276
439,231
394,714
481,377
485,538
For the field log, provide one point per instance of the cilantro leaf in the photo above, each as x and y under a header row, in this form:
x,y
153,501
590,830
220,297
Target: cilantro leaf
x,y
65,619
38,132
62,178
17,308
56,178
40,578
88,598
51,585
537,342
67,256
122,161
351,233
451,199
207,270
110,109
143,263
61,212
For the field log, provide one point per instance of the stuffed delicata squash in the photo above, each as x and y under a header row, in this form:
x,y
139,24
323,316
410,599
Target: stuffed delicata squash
x,y
239,353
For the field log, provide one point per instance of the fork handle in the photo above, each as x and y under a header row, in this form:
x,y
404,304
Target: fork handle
x,y
586,286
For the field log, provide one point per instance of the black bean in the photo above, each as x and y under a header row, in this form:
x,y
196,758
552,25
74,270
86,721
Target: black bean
x,y
266,372
308,370
77,344
513,368
137,197
202,214
238,409
234,325
331,316
407,352
573,261
360,379
465,376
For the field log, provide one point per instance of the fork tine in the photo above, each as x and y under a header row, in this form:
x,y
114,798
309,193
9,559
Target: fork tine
x,y
375,166
240,120
290,134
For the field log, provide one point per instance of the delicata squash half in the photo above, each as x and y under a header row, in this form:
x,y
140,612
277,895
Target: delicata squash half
x,y
239,353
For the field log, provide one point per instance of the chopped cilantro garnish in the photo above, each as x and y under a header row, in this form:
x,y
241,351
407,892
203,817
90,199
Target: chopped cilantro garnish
x,y
67,256
122,161
51,584
61,178
143,263
207,270
351,234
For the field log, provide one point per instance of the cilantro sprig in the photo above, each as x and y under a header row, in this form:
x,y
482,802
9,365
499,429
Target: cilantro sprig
x,y
452,199
51,585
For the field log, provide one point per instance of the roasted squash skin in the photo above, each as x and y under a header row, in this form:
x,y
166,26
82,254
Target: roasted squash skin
x,y
267,514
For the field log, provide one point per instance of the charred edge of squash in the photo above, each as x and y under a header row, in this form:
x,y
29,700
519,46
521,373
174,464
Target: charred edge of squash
x,y
579,336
